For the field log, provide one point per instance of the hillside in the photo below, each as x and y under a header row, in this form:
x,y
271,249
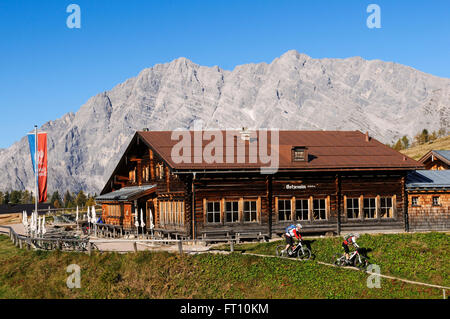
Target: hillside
x,y
294,91
38,274
417,152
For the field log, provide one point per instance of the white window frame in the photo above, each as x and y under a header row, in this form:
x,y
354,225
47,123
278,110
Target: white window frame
x,y
250,210
352,209
302,209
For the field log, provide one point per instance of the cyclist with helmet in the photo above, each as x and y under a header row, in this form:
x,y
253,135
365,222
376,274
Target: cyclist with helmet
x,y
349,239
291,232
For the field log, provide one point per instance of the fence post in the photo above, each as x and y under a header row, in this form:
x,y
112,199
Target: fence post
x,y
135,247
232,246
89,248
20,243
180,246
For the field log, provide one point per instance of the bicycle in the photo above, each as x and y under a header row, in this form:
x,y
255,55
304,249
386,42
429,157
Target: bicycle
x,y
356,259
299,251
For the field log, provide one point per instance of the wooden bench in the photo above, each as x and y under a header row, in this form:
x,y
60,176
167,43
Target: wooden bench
x,y
251,235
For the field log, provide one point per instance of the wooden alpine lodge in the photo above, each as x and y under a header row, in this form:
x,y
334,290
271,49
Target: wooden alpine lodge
x,y
329,181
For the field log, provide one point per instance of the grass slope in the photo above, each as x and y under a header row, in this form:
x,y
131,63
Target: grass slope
x,y
37,274
423,257
417,152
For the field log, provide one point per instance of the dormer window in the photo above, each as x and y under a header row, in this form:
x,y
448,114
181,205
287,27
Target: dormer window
x,y
299,154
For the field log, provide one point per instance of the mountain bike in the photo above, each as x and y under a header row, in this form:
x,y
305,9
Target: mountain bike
x,y
299,251
355,259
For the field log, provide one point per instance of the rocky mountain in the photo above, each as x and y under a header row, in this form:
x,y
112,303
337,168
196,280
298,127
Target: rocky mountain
x,y
293,92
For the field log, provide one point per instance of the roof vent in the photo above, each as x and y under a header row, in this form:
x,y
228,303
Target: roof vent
x,y
404,158
367,136
145,129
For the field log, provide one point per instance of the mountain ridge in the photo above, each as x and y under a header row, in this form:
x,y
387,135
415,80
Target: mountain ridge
x,y
294,91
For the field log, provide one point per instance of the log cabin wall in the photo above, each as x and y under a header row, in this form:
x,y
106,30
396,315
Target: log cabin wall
x,y
243,191
313,199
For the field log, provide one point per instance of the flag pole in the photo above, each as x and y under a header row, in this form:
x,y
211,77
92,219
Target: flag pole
x,y
36,173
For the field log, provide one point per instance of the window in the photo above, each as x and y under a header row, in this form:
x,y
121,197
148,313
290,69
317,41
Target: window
x,y
213,212
298,154
250,211
232,212
319,210
301,209
284,209
369,207
436,201
415,201
352,207
171,212
386,208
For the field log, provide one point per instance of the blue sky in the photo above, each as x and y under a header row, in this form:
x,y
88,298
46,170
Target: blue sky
x,y
47,69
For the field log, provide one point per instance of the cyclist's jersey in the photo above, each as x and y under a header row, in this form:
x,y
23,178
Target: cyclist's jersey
x,y
291,231
350,239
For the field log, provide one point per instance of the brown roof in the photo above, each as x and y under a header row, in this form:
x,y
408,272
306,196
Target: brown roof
x,y
327,150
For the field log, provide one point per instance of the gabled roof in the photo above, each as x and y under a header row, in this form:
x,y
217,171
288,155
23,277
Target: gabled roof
x,y
126,193
327,150
428,179
443,155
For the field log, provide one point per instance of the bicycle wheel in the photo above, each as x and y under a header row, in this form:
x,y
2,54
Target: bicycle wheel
x,y
337,260
280,252
305,254
363,264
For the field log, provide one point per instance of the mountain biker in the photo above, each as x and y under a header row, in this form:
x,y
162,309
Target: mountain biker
x,y
349,239
291,232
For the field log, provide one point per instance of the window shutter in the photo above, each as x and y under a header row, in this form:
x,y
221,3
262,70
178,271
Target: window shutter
x,y
205,211
258,210
293,208
327,208
276,208
394,205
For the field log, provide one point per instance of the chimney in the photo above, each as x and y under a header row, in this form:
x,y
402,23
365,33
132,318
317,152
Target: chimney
x,y
367,136
404,158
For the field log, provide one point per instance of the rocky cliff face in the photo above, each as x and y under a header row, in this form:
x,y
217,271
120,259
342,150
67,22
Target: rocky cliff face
x,y
293,92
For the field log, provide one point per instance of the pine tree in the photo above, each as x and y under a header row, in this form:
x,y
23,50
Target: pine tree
x,y
15,197
398,146
68,199
433,136
81,199
26,197
56,198
424,136
405,142
90,201
6,198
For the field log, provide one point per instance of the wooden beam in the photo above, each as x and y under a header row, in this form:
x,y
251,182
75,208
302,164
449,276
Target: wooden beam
x,y
152,165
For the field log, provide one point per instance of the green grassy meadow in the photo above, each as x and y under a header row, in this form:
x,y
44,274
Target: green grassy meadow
x,y
41,274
